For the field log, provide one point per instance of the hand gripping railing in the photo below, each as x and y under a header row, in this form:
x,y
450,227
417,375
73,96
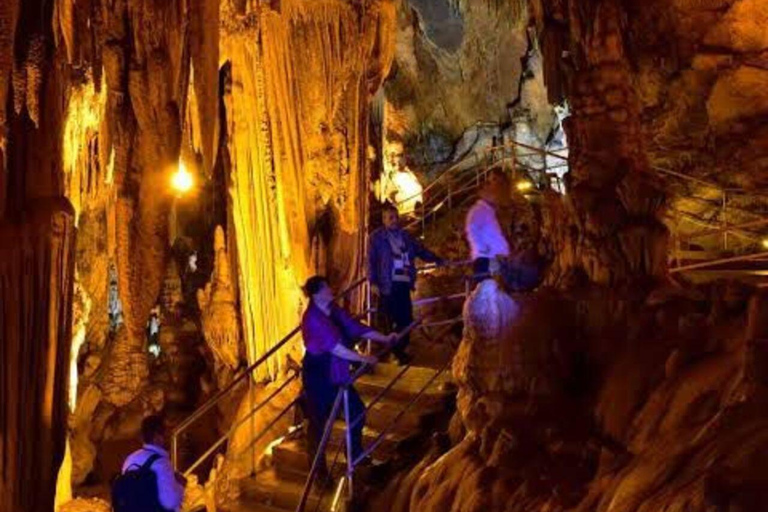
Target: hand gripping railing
x,y
218,397
342,400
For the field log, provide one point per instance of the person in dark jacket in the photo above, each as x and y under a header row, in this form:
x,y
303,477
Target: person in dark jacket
x,y
392,273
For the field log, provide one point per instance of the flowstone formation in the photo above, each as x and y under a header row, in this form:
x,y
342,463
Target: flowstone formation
x,y
520,443
302,78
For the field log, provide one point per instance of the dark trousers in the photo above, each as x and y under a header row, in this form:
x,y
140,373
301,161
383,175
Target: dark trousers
x,y
481,268
398,310
319,395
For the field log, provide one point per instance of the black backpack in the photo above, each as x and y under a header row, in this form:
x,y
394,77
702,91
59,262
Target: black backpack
x,y
136,489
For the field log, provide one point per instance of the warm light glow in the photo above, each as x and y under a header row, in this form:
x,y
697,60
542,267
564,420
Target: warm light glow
x,y
408,190
765,243
398,183
182,180
524,186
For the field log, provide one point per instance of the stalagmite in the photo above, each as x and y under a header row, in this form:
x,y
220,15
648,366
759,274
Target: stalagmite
x,y
218,306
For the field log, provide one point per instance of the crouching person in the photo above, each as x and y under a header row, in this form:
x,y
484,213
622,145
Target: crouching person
x,y
329,335
147,482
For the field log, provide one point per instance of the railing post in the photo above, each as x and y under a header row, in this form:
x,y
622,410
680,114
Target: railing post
x,y
725,220
320,453
350,454
175,451
252,398
423,219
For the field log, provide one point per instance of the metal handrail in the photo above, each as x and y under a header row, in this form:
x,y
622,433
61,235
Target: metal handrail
x,y
460,165
214,400
220,441
334,414
342,399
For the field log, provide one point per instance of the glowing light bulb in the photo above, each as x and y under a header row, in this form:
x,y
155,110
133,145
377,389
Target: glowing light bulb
x,y
524,186
182,180
765,243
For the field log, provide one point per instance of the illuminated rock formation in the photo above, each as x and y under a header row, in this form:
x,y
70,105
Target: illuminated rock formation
x,y
218,306
298,148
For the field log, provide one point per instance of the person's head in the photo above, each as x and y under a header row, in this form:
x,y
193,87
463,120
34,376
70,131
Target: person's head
x,y
318,290
390,217
496,188
153,430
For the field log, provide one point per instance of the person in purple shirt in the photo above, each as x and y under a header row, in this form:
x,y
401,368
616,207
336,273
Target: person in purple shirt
x,y
329,334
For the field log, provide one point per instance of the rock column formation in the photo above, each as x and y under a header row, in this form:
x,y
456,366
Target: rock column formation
x,y
37,242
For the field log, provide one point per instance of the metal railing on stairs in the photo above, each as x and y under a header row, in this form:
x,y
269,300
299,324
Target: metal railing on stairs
x,y
346,484
456,183
229,389
719,224
292,375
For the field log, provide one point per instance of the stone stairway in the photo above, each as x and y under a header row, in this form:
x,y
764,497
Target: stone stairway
x,y
279,487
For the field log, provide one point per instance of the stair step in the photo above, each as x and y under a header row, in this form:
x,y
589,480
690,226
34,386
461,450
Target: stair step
x,y
412,381
290,460
274,490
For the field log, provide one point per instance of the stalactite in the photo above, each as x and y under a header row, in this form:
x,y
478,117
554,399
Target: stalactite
x,y
9,11
19,80
204,42
34,68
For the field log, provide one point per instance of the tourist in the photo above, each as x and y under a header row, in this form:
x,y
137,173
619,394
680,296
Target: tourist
x,y
392,274
127,492
329,334
488,244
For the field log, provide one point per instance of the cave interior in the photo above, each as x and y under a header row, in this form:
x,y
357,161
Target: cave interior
x,y
172,171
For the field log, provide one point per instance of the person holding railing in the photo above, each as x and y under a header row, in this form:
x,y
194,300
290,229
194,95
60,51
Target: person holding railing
x,y
392,252
488,244
329,333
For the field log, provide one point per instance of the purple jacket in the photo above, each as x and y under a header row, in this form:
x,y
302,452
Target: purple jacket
x,y
322,332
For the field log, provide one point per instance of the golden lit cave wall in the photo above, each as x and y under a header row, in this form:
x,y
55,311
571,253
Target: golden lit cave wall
x,y
302,81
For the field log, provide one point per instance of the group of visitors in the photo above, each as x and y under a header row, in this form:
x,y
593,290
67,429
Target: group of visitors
x,y
330,334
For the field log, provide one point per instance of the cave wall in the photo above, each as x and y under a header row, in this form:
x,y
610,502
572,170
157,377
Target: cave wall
x,y
37,243
654,86
455,65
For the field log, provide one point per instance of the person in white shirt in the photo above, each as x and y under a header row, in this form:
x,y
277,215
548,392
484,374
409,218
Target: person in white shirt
x,y
170,485
487,241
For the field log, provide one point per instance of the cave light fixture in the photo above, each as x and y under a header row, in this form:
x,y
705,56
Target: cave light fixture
x,y
182,180
524,186
764,243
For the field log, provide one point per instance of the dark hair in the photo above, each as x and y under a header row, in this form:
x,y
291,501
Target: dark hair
x,y
390,207
313,285
151,427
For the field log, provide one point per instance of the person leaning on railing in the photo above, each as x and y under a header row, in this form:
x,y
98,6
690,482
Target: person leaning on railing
x,y
392,252
329,333
488,243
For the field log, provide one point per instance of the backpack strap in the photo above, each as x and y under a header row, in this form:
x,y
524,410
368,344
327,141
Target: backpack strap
x,y
151,460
